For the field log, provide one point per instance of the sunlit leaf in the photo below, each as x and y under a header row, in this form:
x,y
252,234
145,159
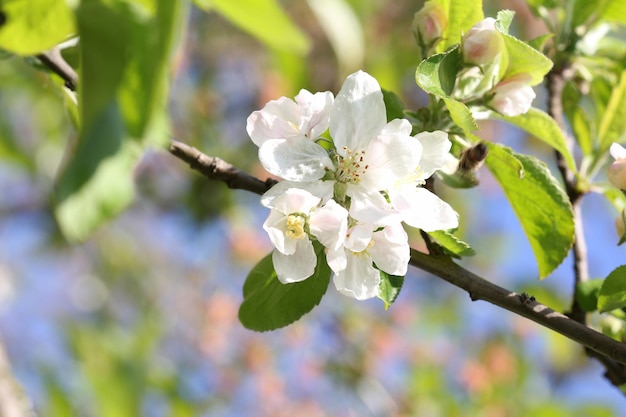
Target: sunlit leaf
x,y
264,19
462,15
452,244
613,291
543,127
615,11
437,74
613,124
524,59
33,26
269,304
461,115
393,105
539,202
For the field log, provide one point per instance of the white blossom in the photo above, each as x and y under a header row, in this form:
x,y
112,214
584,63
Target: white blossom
x,y
513,96
482,44
617,171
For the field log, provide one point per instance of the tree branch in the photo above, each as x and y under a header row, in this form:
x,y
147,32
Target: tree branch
x,y
55,62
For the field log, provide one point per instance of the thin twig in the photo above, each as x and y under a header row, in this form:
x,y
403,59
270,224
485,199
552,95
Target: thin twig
x,y
217,169
55,62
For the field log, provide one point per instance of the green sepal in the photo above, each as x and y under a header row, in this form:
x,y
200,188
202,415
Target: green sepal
x,y
393,105
268,304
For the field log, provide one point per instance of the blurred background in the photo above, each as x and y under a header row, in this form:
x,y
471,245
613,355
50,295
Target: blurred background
x,y
141,319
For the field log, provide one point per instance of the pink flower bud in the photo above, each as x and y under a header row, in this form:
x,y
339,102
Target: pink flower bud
x,y
617,171
513,96
482,43
429,24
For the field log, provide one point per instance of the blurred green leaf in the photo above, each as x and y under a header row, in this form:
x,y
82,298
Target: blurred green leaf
x,y
539,202
613,124
539,42
615,11
263,19
268,304
587,294
462,15
580,120
125,55
33,26
451,244
389,288
543,127
613,291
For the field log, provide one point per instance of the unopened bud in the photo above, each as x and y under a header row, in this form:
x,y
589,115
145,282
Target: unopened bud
x,y
513,96
617,171
429,23
482,43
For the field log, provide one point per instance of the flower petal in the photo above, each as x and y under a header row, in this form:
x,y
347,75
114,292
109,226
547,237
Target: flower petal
x,y
296,159
359,237
279,119
295,200
617,151
296,267
424,210
370,206
329,225
391,156
275,227
321,189
315,112
390,251
436,147
359,279
358,113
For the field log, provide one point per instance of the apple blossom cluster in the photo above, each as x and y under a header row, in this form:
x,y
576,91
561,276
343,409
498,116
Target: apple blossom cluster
x,y
482,49
350,179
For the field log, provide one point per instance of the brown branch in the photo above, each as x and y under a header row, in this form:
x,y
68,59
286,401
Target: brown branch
x,y
55,62
556,80
216,169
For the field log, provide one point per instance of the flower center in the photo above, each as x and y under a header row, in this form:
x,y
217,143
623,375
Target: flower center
x,y
295,226
350,167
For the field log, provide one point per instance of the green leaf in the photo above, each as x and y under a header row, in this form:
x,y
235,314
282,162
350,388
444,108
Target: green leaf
x,y
540,41
587,294
451,244
615,11
393,105
123,90
269,304
613,124
613,291
540,204
33,26
389,288
462,15
461,115
97,183
504,20
265,20
543,127
437,74
524,59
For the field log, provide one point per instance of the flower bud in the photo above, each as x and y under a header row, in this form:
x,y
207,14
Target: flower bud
x,y
429,24
512,96
482,43
617,171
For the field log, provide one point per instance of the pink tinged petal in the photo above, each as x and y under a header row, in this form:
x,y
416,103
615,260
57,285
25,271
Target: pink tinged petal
x,y
329,225
359,237
298,266
295,159
359,279
617,151
279,119
436,147
391,156
315,110
482,43
295,200
617,174
358,113
424,210
390,251
513,96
